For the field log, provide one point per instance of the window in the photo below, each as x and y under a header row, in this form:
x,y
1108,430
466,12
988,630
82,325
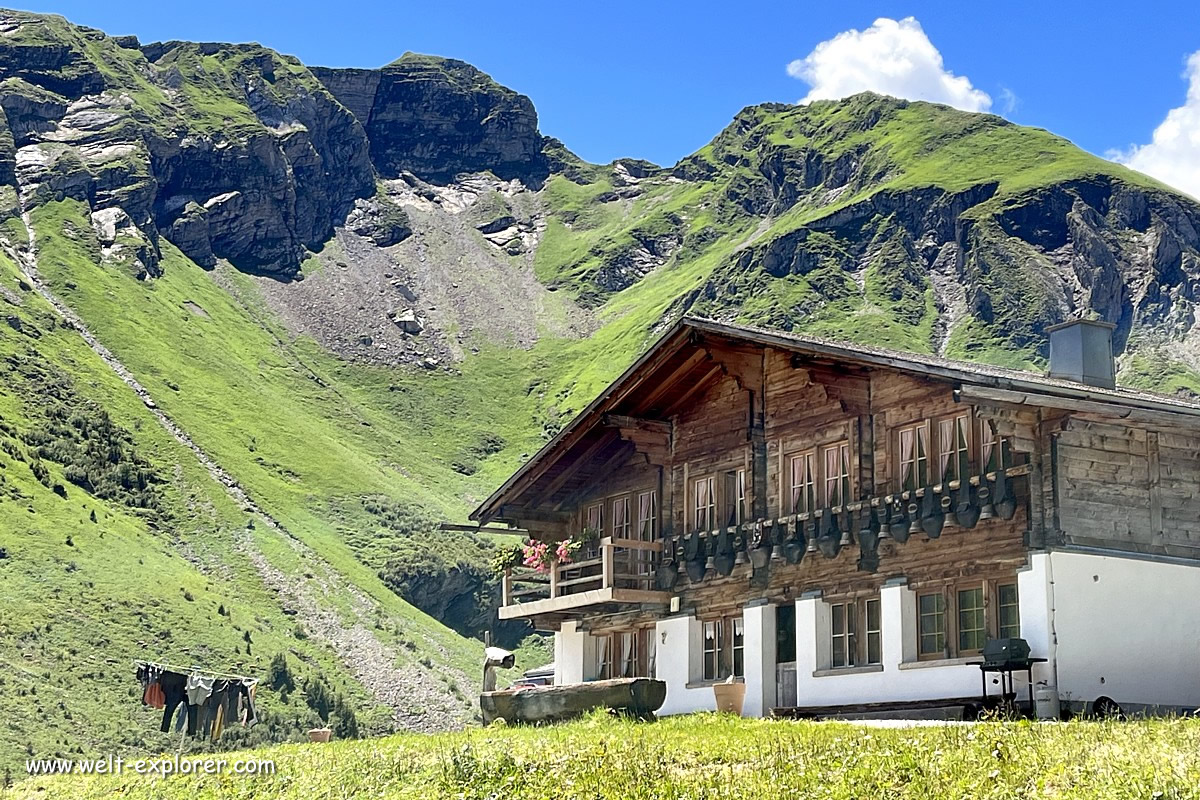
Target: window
x,y
953,445
735,497
957,620
842,627
621,523
874,631
650,651
595,517
724,648
706,504
991,446
647,516
847,647
803,482
914,455
931,624
712,649
738,640
1008,611
972,627
836,459
605,658
625,654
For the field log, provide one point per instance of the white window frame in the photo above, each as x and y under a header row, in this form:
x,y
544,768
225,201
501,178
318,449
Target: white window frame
x,y
953,439
622,523
802,466
908,480
713,633
838,484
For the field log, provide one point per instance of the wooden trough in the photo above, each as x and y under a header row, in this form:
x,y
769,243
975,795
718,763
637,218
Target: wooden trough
x,y
640,697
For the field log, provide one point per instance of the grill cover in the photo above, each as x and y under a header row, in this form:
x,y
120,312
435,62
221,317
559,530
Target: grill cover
x,y
1002,652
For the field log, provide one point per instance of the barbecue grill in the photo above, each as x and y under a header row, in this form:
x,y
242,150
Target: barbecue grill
x,y
1004,657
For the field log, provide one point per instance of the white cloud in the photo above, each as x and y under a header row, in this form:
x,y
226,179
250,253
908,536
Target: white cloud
x,y
890,57
1173,154
1008,101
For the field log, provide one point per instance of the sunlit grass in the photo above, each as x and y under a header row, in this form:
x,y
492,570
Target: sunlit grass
x,y
709,756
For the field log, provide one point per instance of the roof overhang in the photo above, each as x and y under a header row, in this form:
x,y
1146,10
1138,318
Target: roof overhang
x,y
674,352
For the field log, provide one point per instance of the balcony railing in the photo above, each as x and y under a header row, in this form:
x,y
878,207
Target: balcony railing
x,y
611,571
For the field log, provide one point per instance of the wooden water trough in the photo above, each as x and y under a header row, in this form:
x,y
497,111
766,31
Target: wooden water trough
x,y
639,697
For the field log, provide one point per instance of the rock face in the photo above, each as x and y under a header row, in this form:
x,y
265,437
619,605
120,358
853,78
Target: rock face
x,y
439,118
234,151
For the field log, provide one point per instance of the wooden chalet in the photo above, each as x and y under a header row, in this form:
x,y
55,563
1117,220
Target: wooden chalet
x,y
840,525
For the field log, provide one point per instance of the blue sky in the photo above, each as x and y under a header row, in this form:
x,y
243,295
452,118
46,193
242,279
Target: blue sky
x,y
657,80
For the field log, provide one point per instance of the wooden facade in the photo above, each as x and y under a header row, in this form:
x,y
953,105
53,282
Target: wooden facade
x,y
732,437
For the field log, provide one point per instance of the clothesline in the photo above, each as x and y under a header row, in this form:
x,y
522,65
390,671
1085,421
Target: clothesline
x,y
138,662
206,700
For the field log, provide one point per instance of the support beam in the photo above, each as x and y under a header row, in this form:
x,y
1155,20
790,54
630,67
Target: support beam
x,y
704,383
603,468
570,470
668,383
637,423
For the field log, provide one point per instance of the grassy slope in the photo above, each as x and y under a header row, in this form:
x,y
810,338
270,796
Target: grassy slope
x,y
82,598
711,756
274,416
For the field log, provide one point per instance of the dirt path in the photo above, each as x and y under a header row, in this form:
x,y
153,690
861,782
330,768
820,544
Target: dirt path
x,y
418,700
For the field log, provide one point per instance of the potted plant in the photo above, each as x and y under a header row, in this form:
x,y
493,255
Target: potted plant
x,y
730,695
541,556
506,557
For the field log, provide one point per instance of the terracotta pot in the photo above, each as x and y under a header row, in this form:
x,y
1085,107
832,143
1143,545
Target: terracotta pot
x,y
730,697
320,734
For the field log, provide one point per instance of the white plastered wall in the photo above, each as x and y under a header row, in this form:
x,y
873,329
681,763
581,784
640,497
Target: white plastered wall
x,y
680,649
1126,628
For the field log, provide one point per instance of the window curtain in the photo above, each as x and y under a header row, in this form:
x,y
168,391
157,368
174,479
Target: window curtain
x,y
947,445
646,516
703,495
922,452
651,652
627,655
741,495
621,517
906,456
602,658
990,440
798,504
844,454
833,475
594,518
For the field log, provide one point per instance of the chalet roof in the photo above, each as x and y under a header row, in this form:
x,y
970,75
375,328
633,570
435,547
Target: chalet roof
x,y
1031,387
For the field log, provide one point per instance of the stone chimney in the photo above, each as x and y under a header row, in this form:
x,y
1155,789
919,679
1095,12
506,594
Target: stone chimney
x,y
1081,351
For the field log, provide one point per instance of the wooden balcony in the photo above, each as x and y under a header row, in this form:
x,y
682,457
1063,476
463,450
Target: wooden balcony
x,y
614,572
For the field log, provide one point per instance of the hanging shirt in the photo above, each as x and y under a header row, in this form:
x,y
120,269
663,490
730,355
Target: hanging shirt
x,y
199,688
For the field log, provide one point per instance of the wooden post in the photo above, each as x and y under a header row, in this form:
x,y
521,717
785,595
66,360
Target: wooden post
x,y
554,577
506,588
1154,473
606,563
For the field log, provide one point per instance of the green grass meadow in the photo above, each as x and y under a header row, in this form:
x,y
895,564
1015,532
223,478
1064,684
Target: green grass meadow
x,y
706,756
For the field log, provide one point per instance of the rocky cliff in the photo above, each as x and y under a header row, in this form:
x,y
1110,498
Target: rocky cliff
x,y
234,151
439,118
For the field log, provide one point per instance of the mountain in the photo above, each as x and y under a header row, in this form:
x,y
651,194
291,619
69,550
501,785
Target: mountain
x,y
264,325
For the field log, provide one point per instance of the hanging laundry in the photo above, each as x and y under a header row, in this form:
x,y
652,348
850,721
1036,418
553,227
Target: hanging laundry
x,y
201,702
